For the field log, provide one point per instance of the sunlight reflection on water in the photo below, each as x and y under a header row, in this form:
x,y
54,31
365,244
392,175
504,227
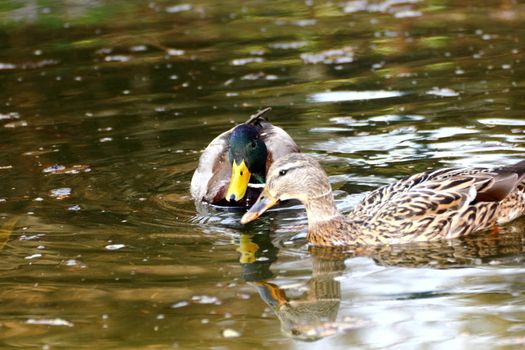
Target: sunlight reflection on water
x,y
340,96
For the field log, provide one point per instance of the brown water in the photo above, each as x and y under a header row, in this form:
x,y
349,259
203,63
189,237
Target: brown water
x,y
105,105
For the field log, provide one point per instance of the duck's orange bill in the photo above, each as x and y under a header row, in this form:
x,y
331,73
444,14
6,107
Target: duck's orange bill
x,y
238,182
263,203
271,293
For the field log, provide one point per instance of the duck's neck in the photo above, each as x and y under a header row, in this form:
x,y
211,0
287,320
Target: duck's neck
x,y
257,178
321,208
326,225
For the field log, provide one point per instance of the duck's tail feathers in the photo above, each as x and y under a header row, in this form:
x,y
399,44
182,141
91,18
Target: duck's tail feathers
x,y
256,118
518,168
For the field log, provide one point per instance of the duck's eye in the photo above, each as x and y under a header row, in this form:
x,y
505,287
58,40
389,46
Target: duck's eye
x,y
283,172
253,144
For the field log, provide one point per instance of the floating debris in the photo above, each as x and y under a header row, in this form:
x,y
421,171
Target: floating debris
x,y
178,8
54,169
60,193
34,256
71,262
205,299
117,58
17,124
39,152
304,22
74,208
9,116
502,121
258,76
115,246
32,237
398,8
247,60
175,52
333,56
138,48
293,45
6,66
407,14
179,304
444,92
230,333
50,322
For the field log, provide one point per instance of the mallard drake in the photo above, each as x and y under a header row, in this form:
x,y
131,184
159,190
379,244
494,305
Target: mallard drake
x,y
232,169
433,205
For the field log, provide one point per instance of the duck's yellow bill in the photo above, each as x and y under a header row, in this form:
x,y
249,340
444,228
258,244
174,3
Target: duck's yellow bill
x,y
238,182
263,203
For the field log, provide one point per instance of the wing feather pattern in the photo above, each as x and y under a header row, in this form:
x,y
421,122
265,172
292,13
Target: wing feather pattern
x,y
444,203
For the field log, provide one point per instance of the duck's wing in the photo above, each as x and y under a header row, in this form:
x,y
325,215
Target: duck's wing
x,y
277,141
212,175
376,199
437,204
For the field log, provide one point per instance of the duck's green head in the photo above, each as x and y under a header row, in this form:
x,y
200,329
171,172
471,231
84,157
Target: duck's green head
x,y
248,159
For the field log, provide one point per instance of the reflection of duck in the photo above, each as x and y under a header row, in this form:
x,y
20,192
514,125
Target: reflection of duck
x,y
503,248
237,158
308,312
429,206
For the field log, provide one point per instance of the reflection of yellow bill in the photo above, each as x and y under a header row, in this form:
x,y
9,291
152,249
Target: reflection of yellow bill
x,y
238,182
247,249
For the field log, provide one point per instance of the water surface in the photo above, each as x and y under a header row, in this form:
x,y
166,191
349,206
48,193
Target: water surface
x,y
106,105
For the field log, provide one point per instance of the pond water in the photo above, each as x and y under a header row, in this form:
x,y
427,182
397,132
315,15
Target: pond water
x,y
106,105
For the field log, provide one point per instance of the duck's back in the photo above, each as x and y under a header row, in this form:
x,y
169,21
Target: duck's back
x,y
443,203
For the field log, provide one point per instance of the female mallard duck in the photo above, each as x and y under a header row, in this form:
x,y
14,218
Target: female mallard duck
x,y
237,158
437,204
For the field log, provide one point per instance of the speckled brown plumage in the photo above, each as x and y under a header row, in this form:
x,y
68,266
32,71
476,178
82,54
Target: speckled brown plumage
x,y
434,205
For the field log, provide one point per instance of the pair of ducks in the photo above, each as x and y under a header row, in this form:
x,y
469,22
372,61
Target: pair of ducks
x,y
429,206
